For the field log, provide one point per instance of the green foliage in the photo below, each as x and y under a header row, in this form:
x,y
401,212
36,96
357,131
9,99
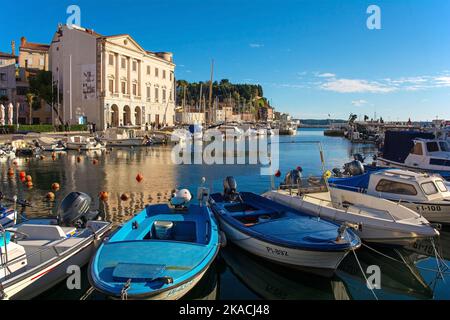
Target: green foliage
x,y
41,86
240,93
41,128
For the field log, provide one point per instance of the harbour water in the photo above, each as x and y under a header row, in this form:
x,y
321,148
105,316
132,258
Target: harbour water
x,y
405,273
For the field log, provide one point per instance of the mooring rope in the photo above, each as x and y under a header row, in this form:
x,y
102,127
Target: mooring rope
x,y
402,262
88,293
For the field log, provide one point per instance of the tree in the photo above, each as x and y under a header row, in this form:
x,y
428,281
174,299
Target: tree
x,y
30,100
44,90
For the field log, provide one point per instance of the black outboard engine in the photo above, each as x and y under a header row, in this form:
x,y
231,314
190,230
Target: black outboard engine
x,y
337,173
354,168
74,210
359,157
230,189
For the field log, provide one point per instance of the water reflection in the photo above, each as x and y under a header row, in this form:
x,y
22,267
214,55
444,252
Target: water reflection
x,y
237,275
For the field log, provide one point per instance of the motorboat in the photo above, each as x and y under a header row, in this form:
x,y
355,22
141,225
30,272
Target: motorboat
x,y
84,143
379,220
25,149
416,151
50,144
36,254
288,128
160,254
231,131
281,234
426,194
120,137
7,153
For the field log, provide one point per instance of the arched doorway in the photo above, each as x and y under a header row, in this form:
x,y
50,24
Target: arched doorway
x,y
138,116
127,116
114,116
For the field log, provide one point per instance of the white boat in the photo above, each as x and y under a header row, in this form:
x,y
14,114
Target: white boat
x,y
50,144
36,255
426,194
416,151
231,131
118,137
84,143
288,128
378,220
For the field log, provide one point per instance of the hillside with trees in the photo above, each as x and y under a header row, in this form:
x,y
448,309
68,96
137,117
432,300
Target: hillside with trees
x,y
240,94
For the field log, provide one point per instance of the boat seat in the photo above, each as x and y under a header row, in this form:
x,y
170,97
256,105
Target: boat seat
x,y
42,232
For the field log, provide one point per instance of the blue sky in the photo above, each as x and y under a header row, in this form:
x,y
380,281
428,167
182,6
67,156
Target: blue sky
x,y
313,58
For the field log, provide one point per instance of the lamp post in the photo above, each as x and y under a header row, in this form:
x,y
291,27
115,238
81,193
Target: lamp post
x,y
106,114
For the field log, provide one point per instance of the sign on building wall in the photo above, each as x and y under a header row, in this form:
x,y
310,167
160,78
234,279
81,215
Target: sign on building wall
x,y
88,81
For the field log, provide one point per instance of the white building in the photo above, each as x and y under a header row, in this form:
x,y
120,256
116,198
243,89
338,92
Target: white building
x,y
8,76
111,80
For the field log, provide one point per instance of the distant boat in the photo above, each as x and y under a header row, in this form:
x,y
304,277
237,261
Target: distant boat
x,y
50,144
161,254
120,137
280,234
84,143
288,128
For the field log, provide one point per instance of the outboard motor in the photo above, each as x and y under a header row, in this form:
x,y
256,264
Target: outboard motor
x,y
359,157
230,189
181,198
354,168
337,173
74,210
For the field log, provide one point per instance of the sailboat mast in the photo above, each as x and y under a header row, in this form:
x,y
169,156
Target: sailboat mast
x,y
210,92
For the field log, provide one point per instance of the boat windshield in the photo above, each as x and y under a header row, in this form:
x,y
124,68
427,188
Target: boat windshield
x,y
441,185
444,146
432,146
395,187
429,188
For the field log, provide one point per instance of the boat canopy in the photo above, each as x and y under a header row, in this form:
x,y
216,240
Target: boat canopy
x,y
356,183
398,144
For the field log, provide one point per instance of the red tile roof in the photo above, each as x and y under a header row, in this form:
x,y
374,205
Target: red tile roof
x,y
35,46
7,55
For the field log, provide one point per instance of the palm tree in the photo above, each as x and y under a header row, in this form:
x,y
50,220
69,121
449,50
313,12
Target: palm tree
x,y
30,99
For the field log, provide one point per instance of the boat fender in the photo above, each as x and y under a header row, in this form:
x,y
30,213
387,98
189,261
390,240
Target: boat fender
x,y
135,225
223,239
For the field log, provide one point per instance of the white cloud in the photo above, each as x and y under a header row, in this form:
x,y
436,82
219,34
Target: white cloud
x,y
355,86
443,81
326,75
256,45
359,103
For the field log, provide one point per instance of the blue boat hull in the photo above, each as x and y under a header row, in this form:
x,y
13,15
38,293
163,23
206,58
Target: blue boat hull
x,y
137,263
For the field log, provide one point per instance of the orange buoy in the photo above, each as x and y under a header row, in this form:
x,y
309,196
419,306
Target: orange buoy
x,y
22,174
103,195
139,178
95,162
278,174
55,186
124,197
78,159
50,196
29,178
29,184
11,172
